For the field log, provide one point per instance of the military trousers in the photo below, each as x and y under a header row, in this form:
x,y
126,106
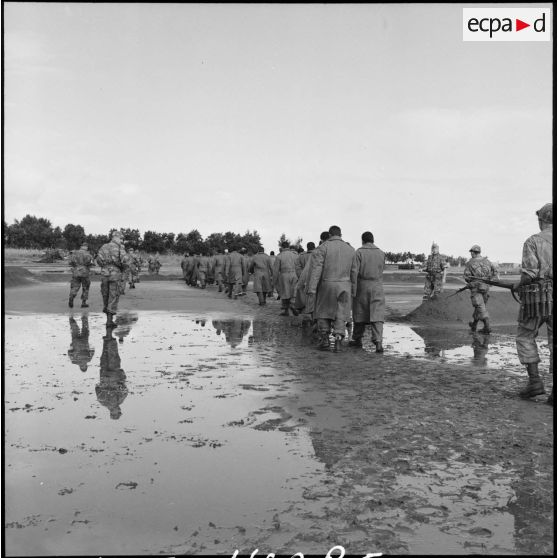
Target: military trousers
x,y
432,285
377,329
76,283
110,290
479,300
526,339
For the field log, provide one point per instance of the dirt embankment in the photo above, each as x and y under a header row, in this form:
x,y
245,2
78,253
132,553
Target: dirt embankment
x,y
18,277
502,308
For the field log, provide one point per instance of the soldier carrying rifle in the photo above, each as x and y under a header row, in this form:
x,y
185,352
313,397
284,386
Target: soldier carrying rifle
x,y
476,269
535,289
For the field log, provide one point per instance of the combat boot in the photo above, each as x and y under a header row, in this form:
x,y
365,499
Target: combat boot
x,y
486,329
379,346
473,325
356,343
71,302
110,321
534,385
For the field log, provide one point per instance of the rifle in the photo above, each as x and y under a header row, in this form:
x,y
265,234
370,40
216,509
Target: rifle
x,y
466,287
509,286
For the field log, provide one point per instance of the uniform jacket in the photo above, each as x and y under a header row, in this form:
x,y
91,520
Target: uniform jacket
x,y
479,267
537,259
81,262
435,264
367,284
111,259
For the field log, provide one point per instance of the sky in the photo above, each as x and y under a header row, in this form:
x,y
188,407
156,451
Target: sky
x,y
279,119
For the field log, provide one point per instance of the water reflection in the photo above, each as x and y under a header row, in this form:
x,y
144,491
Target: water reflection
x,y
111,389
262,332
124,322
80,352
234,330
480,348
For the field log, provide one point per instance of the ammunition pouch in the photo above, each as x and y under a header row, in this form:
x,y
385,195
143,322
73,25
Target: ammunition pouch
x,y
536,300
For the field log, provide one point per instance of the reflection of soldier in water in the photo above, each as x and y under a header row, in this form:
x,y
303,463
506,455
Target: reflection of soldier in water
x,y
111,389
437,341
124,322
480,347
235,330
79,352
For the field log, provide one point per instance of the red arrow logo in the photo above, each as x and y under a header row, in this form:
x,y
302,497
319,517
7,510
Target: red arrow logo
x,y
519,25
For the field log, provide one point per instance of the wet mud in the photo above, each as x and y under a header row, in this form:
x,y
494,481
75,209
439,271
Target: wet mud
x,y
211,425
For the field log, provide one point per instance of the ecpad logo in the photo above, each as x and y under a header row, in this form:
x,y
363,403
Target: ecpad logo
x,y
506,24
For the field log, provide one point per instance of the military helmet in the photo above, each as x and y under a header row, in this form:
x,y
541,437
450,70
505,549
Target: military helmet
x,y
475,248
545,213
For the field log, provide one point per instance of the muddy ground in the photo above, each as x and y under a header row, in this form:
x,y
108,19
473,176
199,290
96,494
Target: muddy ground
x,y
203,425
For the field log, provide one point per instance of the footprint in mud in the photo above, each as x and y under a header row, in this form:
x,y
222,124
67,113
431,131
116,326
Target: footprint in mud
x,y
283,422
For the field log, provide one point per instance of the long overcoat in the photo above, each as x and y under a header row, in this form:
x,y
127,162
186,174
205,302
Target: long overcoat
x,y
234,268
330,279
262,273
369,303
284,274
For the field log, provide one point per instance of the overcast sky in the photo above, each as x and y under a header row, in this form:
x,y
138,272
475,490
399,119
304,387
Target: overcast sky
x,y
277,118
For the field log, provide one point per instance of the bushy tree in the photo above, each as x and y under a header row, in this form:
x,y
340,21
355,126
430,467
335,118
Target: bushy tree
x,y
251,241
153,242
31,232
73,236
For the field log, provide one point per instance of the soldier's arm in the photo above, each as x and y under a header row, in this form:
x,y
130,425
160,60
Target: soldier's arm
x,y
317,267
355,267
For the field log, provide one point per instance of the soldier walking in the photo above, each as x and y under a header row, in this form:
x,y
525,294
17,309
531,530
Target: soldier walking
x,y
367,285
330,282
434,267
219,269
203,268
130,270
263,275
234,271
284,276
111,259
536,294
479,267
80,262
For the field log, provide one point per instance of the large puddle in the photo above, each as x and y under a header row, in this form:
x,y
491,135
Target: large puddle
x,y
167,427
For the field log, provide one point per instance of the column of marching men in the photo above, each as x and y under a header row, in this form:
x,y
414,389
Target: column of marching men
x,y
338,289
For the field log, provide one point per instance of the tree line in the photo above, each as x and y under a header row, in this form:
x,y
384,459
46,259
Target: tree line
x,y
38,233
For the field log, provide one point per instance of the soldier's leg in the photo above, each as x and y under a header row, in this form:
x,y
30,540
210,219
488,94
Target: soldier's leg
x,y
378,335
527,331
105,293
113,296
324,329
261,299
427,288
74,289
85,284
437,287
484,314
285,303
358,333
